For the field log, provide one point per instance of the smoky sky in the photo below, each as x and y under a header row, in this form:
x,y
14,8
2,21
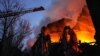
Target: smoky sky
x,y
65,9
69,9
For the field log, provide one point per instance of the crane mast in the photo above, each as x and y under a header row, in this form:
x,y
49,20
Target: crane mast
x,y
9,14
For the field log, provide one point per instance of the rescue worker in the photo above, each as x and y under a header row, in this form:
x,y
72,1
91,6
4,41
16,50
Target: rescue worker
x,y
69,42
42,43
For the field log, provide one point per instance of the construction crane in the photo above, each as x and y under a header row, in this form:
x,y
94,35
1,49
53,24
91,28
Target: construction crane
x,y
10,13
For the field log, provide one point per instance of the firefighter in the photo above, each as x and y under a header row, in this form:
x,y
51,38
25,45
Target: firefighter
x,y
42,43
69,42
46,42
64,41
74,41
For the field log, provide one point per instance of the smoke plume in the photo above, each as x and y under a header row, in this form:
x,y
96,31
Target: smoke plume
x,y
66,9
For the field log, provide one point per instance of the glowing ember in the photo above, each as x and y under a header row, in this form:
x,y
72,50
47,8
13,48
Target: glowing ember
x,y
85,36
55,37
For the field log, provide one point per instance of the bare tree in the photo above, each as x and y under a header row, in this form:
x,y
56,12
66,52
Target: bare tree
x,y
12,27
21,31
6,22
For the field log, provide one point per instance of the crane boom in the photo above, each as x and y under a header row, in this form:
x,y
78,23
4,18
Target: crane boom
x,y
9,14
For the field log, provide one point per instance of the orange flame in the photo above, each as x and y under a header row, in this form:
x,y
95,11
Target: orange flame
x,y
84,28
54,37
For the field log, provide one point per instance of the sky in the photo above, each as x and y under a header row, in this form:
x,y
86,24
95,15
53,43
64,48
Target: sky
x,y
36,17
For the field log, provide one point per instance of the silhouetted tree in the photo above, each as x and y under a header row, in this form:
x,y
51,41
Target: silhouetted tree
x,y
12,27
22,30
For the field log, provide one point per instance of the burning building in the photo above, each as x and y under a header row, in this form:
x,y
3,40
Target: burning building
x,y
84,27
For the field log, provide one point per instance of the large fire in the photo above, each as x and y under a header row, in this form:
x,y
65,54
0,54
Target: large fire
x,y
84,28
